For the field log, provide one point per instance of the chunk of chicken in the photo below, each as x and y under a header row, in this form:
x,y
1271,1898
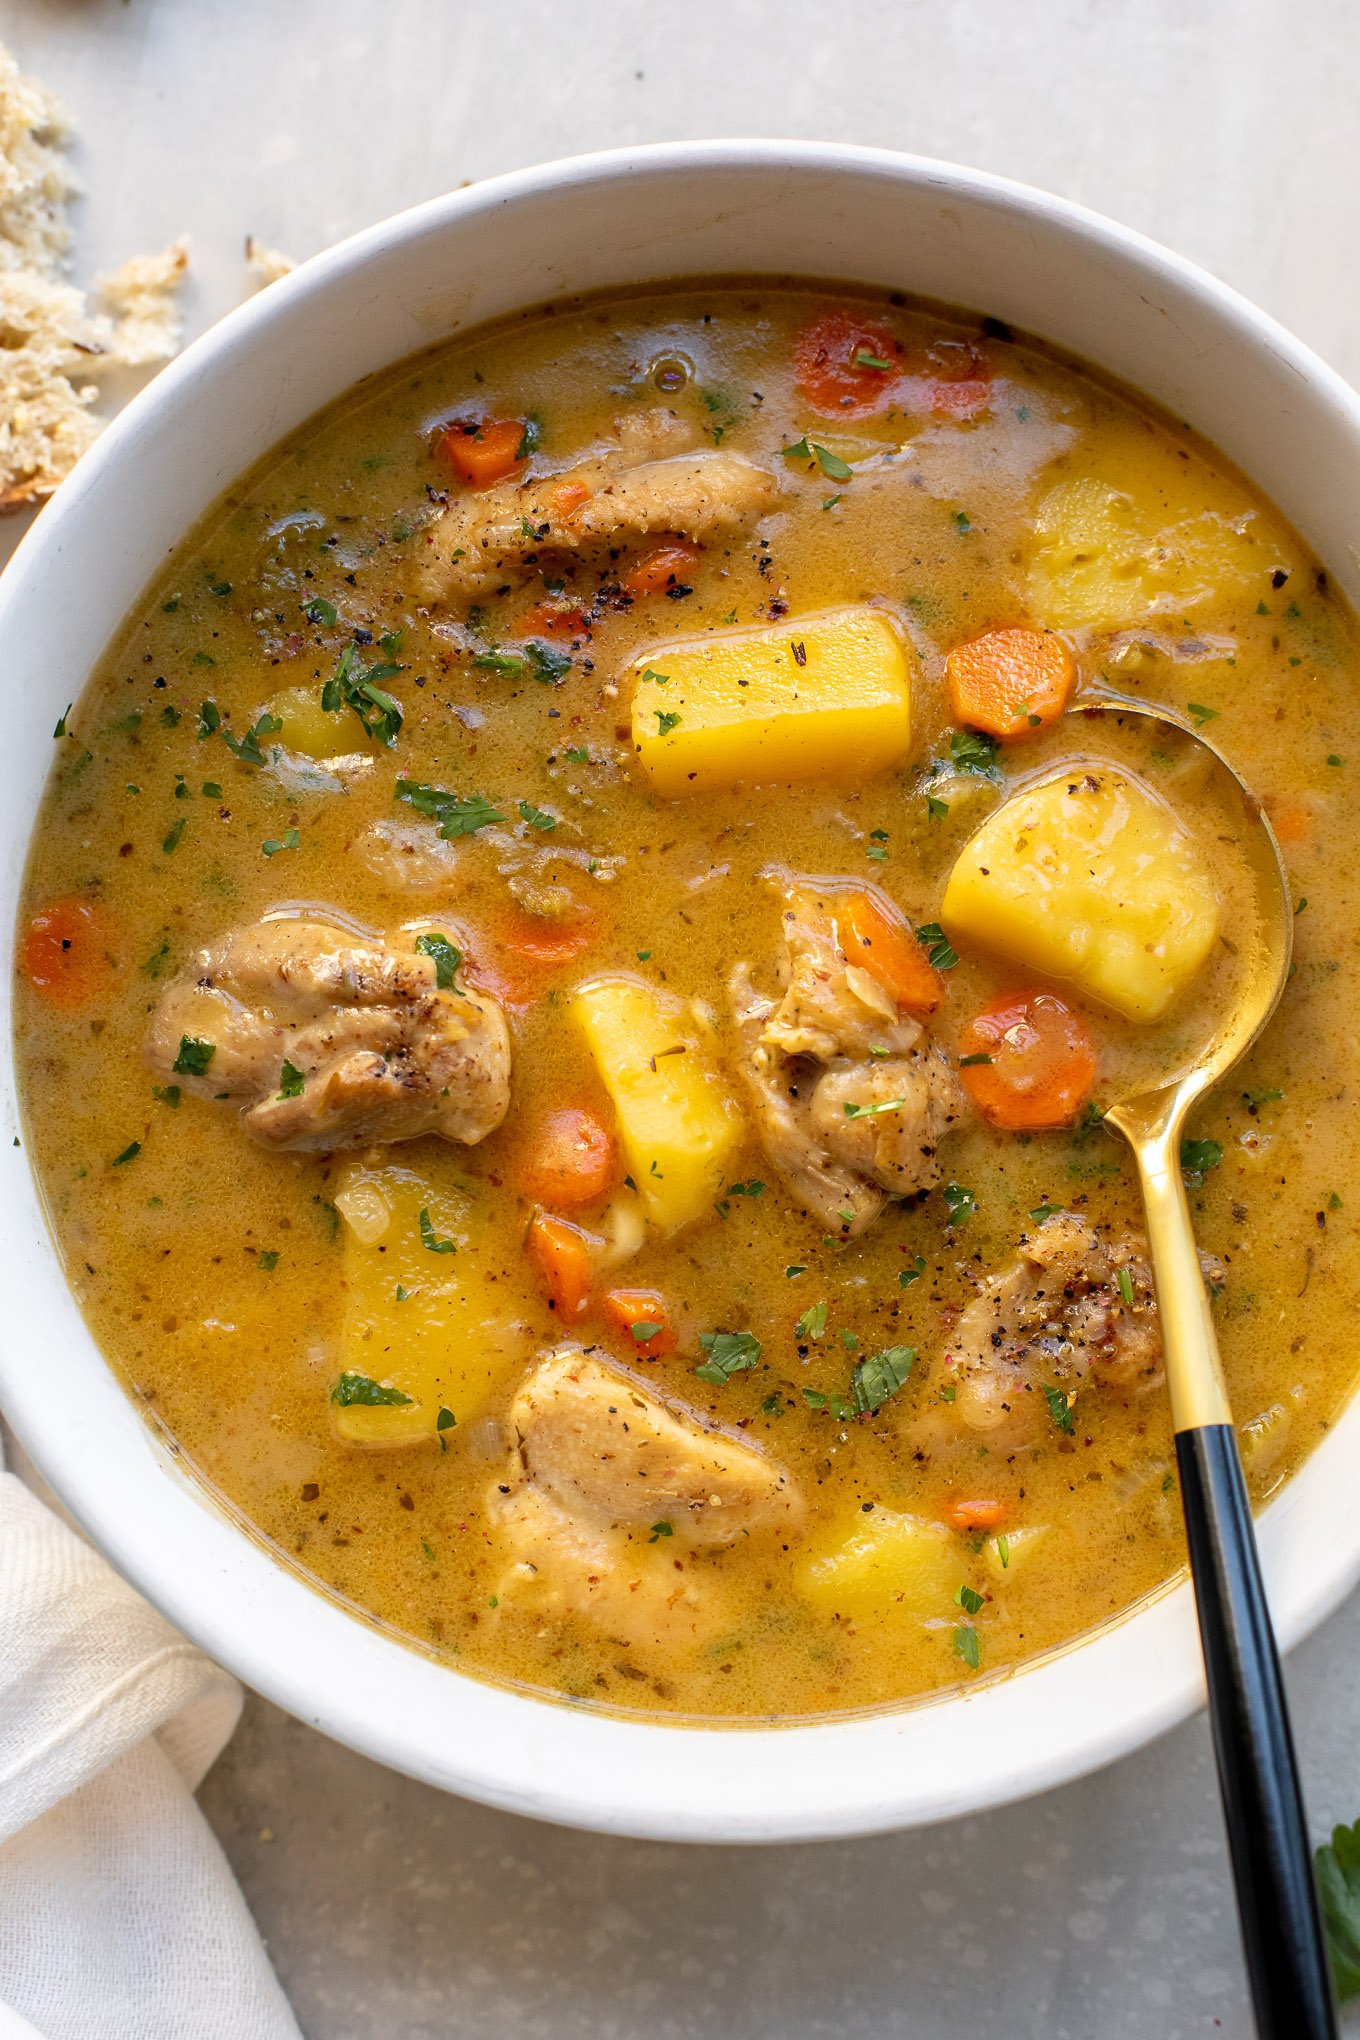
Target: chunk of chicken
x,y
843,1125
1057,1314
596,1463
410,857
640,482
381,1052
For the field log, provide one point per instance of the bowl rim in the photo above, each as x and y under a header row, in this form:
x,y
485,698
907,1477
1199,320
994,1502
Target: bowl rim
x,y
859,1774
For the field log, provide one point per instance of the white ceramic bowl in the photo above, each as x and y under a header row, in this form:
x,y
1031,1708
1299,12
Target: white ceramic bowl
x,y
673,211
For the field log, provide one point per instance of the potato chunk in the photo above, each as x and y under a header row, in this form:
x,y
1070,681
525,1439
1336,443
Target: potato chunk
x,y
887,1565
427,1313
827,698
1107,555
677,1121
1089,877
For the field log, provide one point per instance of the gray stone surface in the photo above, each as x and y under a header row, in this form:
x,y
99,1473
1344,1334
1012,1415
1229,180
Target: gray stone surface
x,y
1227,130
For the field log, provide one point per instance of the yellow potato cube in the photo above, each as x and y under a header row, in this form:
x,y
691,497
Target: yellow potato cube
x,y
887,1565
1089,877
427,1312
1011,1551
1108,555
826,698
305,726
677,1122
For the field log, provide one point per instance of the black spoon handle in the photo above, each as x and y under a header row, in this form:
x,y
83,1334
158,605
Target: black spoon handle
x,y
1262,1805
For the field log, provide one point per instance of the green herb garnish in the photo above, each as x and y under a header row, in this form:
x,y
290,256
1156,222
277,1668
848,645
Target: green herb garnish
x,y
292,1083
446,960
728,1353
354,1388
194,1057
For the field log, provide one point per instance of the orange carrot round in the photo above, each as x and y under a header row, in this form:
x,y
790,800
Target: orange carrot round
x,y
568,1158
966,1513
523,954
847,366
1011,683
666,568
642,1315
876,938
554,617
484,453
68,953
1040,1061
561,1255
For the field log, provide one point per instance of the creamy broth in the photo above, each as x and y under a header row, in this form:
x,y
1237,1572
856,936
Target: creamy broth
x,y
225,1283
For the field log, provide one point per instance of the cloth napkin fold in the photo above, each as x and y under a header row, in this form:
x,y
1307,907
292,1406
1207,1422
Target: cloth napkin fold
x,y
119,1915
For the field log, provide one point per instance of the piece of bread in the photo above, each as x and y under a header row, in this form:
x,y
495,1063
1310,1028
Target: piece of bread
x,y
267,263
51,342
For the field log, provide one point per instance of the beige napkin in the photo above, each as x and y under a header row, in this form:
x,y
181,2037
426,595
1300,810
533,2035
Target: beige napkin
x,y
119,1916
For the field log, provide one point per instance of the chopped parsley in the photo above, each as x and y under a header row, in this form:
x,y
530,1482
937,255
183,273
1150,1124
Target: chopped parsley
x,y
129,1154
445,1421
292,1083
1337,1864
796,1268
1201,714
1197,1157
194,1057
60,730
548,664
246,750
290,840
319,610
535,816
973,751
1045,1210
968,1062
867,1111
269,1260
209,720
430,1239
455,817
169,1096
728,1353
578,755
660,1530
1059,1408
380,715
966,1645
445,957
354,1388
171,843
666,722
812,1323
831,464
156,961
960,1201
935,942
509,665
968,1599
936,809
962,521
645,1329
880,1376
906,1276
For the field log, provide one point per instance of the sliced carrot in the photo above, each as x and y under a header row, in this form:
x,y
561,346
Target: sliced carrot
x,y
664,570
561,1255
876,938
847,366
964,1513
1041,1061
522,954
68,953
568,496
554,617
959,380
1011,683
568,1158
641,1313
1289,822
484,453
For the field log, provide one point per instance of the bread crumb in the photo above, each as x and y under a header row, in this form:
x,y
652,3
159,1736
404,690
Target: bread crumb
x,y
51,341
268,264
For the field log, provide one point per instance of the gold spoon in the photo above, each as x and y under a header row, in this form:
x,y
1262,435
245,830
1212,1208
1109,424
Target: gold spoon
x,y
1258,1776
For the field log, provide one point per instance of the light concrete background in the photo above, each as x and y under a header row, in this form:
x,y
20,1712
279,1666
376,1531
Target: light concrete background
x,y
1227,129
